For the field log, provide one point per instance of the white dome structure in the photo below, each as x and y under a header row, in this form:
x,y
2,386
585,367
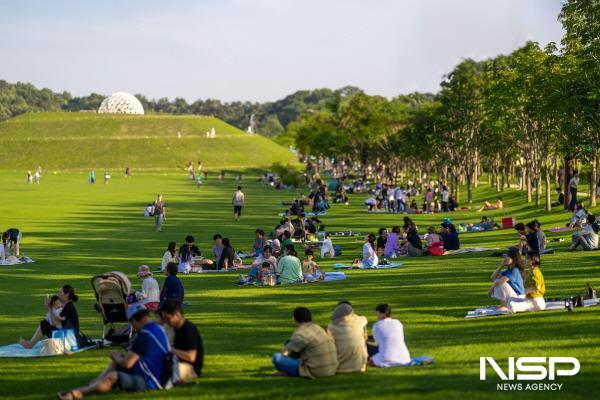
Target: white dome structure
x,y
121,103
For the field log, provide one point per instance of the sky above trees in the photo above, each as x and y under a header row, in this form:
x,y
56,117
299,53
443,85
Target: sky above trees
x,y
259,49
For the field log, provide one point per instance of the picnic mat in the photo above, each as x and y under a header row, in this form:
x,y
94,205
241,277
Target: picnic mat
x,y
12,260
561,229
345,233
470,250
550,305
329,277
18,351
382,266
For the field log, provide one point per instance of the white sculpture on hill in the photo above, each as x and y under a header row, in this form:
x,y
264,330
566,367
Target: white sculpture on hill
x,y
121,103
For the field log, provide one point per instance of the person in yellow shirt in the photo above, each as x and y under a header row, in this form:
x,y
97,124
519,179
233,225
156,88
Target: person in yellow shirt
x,y
535,288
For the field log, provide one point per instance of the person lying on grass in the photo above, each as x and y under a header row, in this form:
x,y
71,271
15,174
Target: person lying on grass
x,y
68,317
508,279
349,332
289,268
310,269
587,236
535,288
497,205
388,333
140,369
187,344
309,352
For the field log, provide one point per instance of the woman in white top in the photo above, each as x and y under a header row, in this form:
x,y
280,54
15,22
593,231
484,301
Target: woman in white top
x,y
391,351
169,256
150,295
267,256
369,255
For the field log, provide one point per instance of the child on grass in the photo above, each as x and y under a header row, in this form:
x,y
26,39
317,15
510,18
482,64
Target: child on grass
x,y
310,270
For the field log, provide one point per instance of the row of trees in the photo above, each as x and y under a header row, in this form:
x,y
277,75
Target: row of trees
x,y
527,114
271,118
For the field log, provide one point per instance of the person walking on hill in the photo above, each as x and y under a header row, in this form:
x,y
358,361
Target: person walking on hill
x,y
92,177
238,203
573,184
159,212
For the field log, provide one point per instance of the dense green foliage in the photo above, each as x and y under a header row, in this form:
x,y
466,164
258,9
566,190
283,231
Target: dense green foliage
x,y
75,230
83,141
526,112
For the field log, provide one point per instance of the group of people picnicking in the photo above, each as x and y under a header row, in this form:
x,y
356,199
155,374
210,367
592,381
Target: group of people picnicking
x,y
406,241
401,199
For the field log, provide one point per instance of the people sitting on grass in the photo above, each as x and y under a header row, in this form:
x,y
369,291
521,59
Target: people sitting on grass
x,y
392,244
289,268
497,205
508,279
11,239
542,241
535,288
411,245
259,242
286,239
579,217
450,236
310,269
68,317
187,344
169,256
172,287
266,256
388,333
150,294
54,307
348,331
528,243
369,255
140,369
586,236
227,255
434,244
309,352
561,198
382,236
186,259
218,247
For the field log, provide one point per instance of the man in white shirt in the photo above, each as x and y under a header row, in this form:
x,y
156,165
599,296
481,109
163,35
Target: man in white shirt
x,y
238,203
445,199
391,351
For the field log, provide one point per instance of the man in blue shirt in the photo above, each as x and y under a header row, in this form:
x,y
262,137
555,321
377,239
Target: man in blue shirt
x,y
138,370
172,288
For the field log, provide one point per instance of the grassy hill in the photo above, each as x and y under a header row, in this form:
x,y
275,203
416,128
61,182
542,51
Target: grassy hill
x,y
80,141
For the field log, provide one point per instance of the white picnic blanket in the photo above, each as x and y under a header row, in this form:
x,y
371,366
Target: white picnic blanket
x,y
12,260
470,250
360,266
550,305
18,351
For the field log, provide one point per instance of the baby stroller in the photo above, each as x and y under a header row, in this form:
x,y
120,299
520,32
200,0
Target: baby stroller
x,y
112,290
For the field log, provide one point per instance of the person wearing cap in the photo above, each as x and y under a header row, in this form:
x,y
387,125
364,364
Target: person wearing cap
x,y
187,343
140,369
150,295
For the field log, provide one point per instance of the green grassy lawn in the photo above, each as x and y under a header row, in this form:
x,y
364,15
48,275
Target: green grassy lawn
x,y
75,230
67,141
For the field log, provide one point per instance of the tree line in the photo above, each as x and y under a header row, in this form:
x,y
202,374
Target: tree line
x,y
270,118
529,114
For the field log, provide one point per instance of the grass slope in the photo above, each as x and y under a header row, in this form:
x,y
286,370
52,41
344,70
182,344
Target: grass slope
x,y
80,141
76,230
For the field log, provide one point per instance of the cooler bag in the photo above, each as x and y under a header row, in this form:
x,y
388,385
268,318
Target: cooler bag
x,y
508,222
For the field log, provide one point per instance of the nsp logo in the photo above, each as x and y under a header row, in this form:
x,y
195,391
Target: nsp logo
x,y
531,368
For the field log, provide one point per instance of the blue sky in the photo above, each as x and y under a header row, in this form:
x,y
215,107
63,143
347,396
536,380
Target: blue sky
x,y
258,50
